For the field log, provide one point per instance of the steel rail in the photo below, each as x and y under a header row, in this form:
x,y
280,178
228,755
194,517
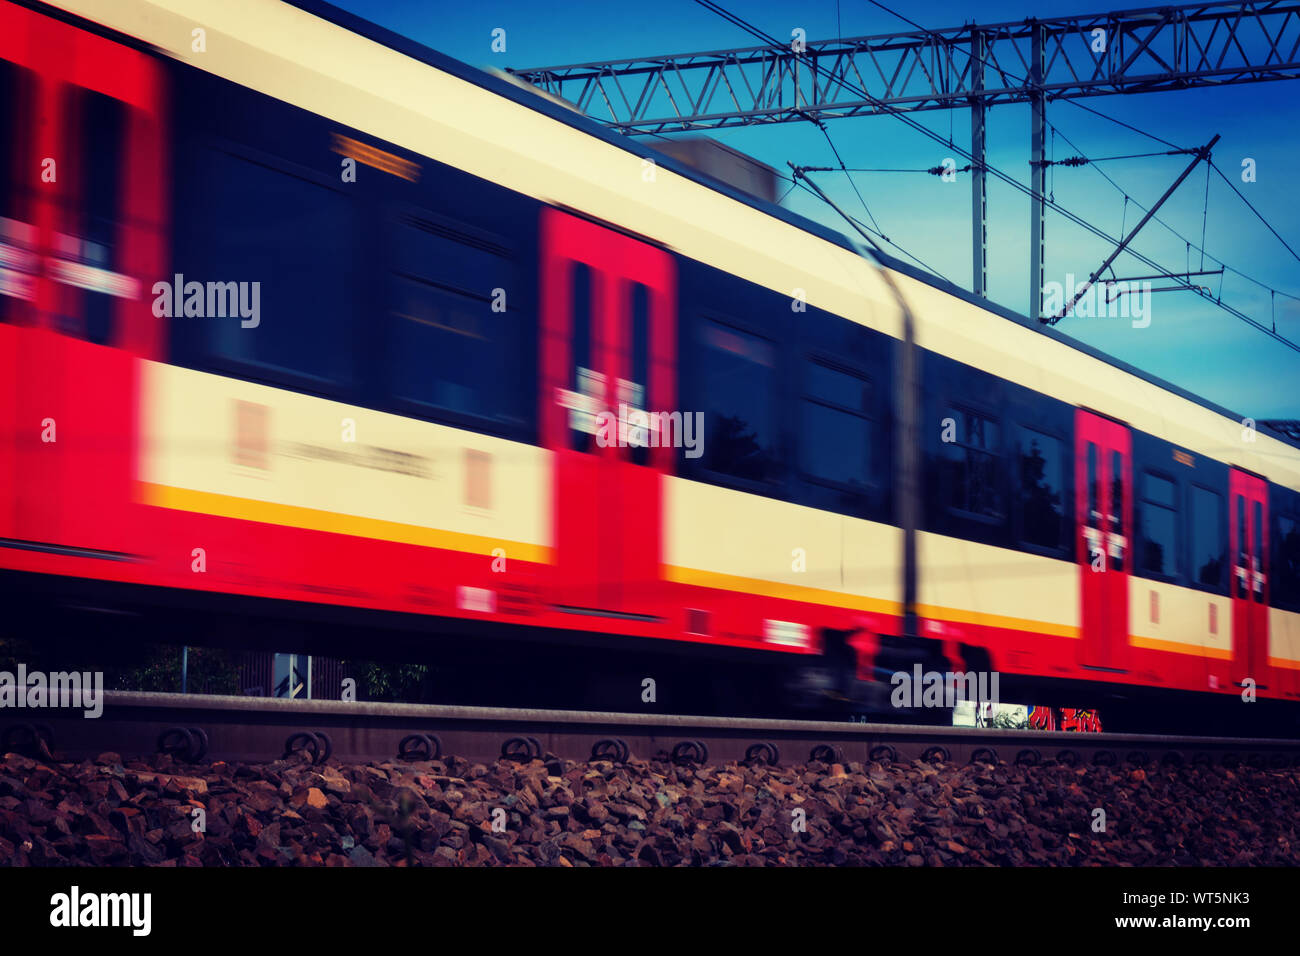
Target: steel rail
x,y
197,727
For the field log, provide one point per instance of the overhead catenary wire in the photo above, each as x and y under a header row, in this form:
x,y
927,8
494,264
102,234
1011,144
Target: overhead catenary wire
x,y
1149,135
1176,151
1257,213
1173,150
997,173
883,238
932,170
1089,160
794,182
1205,210
1021,79
1191,245
839,159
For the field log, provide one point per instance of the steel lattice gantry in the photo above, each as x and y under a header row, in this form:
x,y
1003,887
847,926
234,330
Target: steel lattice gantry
x,y
976,66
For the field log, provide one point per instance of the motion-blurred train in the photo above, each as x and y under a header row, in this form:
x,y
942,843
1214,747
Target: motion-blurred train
x,y
300,317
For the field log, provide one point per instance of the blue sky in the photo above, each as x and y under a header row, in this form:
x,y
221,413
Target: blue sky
x,y
1190,342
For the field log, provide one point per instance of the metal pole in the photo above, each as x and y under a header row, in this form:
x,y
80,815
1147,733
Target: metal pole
x,y
1168,275
185,669
1037,171
907,446
978,209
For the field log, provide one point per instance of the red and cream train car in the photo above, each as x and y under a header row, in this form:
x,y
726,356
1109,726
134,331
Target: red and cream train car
x,y
295,310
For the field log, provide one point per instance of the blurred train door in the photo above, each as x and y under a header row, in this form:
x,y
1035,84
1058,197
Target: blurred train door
x,y
1248,545
81,242
1104,519
608,353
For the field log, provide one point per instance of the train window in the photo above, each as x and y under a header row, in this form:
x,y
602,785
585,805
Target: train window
x,y
282,248
582,377
1117,506
1258,524
740,388
639,361
1285,583
450,255
1158,525
454,342
1041,489
452,352
637,391
1243,559
88,241
836,434
12,89
1094,489
19,264
971,464
1208,545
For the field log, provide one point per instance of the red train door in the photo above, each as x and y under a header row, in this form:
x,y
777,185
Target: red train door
x,y
1104,516
83,235
1247,534
608,351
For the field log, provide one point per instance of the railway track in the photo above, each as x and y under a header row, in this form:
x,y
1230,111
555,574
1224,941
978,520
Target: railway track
x,y
195,728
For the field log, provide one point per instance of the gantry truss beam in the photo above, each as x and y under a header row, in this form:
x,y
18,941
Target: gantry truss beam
x,y
1137,51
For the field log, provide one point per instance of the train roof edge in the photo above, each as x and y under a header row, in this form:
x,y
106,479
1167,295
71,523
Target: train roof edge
x,y
570,117
573,118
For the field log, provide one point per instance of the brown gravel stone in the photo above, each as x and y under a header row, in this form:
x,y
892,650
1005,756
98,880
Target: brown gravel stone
x,y
645,813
